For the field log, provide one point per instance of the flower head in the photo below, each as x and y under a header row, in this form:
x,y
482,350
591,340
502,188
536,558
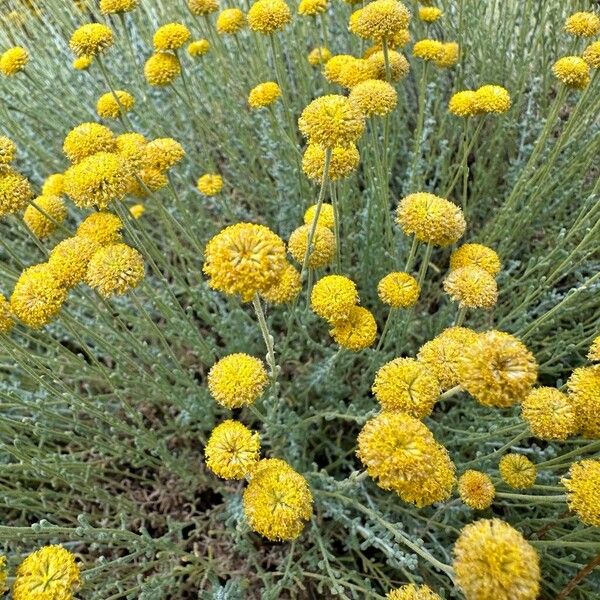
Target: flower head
x,y
333,297
110,7
429,14
583,24
380,19
583,490
549,413
594,353
115,269
591,55
398,290
230,21
15,192
286,288
83,63
203,7
399,66
356,71
323,246
91,39
464,104
8,151
268,16
357,332
517,471
162,69
584,393
244,259
476,255
232,450
449,56
109,107
277,501
210,184
492,99
573,71
53,185
413,592
493,560
326,215
137,210
13,60
334,65
311,8
344,160
42,225
132,147
171,36
429,50
471,287
87,139
476,489
101,227
264,94
319,56
374,97
163,154
198,47
6,324
70,258
237,380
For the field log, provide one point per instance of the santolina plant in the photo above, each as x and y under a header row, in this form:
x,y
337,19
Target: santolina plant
x,y
299,300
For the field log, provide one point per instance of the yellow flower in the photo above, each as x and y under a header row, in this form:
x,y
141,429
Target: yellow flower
x,y
333,297
357,332
3,571
82,63
464,104
398,40
277,501
6,324
210,184
311,8
163,154
476,489
331,121
498,369
334,65
268,16
244,259
493,560
91,39
137,210
549,413
584,392
573,71
37,297
443,354
431,219
356,71
286,288
476,255
323,250
237,380
591,55
374,97
115,269
101,227
583,490
594,353
70,258
48,573
53,185
38,222
230,21
132,147
429,50
264,94
401,454
517,471
15,192
203,7
471,287
109,7
492,99
319,56
429,14
108,107
162,69
380,19
398,290
326,215
343,161
198,47
98,180
232,450
148,180
171,36
407,385
449,56
413,592
399,66
13,60
8,151
583,24
87,139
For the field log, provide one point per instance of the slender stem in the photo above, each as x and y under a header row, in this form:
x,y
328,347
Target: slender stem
x,y
268,338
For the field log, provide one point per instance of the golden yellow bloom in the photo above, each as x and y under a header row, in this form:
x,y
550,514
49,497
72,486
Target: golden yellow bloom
x,y
326,215
333,297
53,185
549,413
357,332
15,192
101,227
583,24
476,489
573,71
332,120
8,151
13,60
171,36
264,94
203,7
109,7
131,146
3,571
398,40
6,324
237,380
334,65
583,490
517,471
108,107
277,501
70,258
584,392
493,560
401,454
374,97
161,69
48,573
268,16
476,255
591,55
343,161
429,14
39,223
163,154
356,71
232,450
82,63
148,180
98,180
399,66
137,210
413,592
380,19
449,56
492,99
323,250
431,219
429,50
230,21
498,369
115,270
464,104
471,287
210,184
286,288
311,8
87,139
443,354
319,56
91,39
37,297
398,290
198,47
407,385
594,353
244,259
